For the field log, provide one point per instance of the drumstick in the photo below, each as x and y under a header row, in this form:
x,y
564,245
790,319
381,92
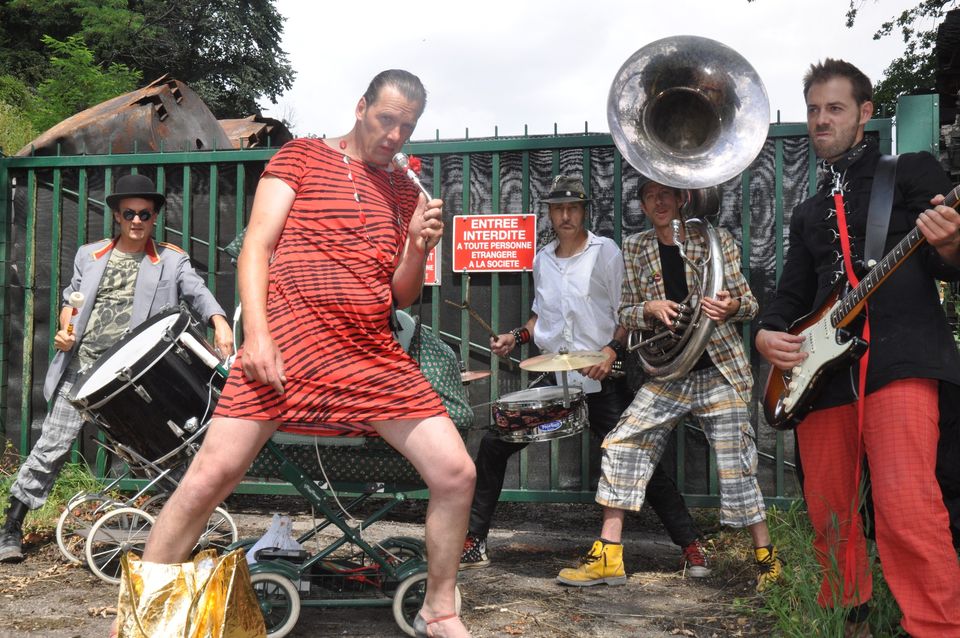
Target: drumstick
x,y
76,302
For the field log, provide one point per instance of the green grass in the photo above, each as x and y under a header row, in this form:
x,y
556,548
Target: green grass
x,y
791,608
74,478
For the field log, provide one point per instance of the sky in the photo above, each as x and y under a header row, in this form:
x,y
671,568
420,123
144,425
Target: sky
x,y
539,63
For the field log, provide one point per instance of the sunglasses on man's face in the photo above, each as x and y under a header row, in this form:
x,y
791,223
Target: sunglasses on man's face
x,y
144,214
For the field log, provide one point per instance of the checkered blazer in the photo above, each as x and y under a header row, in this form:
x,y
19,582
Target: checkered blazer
x,y
644,282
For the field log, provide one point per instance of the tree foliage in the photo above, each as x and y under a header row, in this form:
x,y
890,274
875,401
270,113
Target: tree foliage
x,y
226,50
76,82
15,129
914,71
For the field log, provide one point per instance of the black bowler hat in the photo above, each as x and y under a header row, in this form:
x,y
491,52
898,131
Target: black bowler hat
x,y
135,186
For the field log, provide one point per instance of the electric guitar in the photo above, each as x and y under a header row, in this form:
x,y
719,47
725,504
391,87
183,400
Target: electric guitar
x,y
789,395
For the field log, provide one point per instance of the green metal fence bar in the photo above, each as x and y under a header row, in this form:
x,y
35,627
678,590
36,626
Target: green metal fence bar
x,y
56,228
6,207
780,477
240,218
212,225
494,318
160,229
524,307
107,216
29,276
186,220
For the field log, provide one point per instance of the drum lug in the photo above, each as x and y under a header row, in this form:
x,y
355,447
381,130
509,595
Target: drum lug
x,y
139,389
191,424
183,354
125,374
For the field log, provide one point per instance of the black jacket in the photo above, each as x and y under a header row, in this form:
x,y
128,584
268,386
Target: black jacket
x,y
910,337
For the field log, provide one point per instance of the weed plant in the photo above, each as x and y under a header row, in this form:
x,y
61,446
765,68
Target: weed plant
x,y
790,607
73,478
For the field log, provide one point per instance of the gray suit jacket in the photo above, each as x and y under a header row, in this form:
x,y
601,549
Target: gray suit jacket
x,y
165,277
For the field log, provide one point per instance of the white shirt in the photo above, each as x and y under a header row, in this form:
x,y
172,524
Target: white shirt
x,y
576,299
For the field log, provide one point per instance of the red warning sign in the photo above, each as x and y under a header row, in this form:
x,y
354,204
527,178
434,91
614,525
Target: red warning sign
x,y
494,243
431,275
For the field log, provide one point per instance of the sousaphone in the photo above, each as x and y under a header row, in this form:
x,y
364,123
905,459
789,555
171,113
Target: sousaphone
x,y
691,113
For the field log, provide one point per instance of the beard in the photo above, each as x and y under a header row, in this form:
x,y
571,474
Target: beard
x,y
833,148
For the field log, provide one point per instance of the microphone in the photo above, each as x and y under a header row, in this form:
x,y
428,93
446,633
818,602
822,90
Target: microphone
x,y
76,302
401,162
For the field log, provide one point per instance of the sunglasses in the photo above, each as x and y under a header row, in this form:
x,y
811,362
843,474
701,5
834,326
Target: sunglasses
x,y
144,215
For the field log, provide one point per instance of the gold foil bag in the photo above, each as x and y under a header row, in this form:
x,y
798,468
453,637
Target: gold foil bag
x,y
209,597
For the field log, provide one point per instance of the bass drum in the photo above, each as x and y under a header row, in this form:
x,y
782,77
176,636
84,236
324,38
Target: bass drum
x,y
153,390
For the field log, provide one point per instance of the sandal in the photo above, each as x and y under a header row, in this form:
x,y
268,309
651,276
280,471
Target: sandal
x,y
420,624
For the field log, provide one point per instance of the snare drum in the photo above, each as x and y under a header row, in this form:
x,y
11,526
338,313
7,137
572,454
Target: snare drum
x,y
154,388
538,414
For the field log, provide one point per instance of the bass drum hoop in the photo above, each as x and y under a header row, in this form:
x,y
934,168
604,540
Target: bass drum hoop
x,y
138,368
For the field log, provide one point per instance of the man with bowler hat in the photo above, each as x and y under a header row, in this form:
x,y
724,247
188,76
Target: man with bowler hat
x,y
124,280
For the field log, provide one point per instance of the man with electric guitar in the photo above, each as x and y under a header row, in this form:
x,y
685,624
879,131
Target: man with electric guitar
x,y
856,315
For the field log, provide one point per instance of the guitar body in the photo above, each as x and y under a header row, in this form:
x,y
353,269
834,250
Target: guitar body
x,y
788,395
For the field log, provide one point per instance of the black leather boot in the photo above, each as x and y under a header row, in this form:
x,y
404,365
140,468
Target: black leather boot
x,y
11,534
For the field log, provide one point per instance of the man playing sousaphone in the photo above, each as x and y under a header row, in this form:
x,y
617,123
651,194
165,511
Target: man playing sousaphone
x,y
577,279
716,391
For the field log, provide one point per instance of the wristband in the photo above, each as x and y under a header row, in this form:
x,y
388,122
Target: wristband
x,y
617,347
521,336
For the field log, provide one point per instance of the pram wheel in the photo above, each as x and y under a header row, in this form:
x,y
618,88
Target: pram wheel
x,y
408,599
76,521
399,549
220,532
279,602
116,533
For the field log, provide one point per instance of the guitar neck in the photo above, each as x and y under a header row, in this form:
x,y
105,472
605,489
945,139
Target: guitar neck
x,y
848,308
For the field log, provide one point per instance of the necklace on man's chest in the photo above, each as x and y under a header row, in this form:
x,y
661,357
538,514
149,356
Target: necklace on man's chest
x,y
363,231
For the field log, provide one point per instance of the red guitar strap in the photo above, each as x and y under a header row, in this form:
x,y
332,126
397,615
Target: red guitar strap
x,y
862,381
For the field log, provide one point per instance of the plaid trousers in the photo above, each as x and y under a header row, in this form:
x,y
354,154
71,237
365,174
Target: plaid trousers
x,y
60,427
632,450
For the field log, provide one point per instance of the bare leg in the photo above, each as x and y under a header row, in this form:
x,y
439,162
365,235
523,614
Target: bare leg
x,y
228,449
612,529
436,450
760,534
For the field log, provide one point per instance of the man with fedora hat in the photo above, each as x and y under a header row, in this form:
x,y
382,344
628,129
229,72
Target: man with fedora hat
x,y
577,279
124,280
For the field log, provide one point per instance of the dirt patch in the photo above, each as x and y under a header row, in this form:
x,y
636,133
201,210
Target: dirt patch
x,y
515,596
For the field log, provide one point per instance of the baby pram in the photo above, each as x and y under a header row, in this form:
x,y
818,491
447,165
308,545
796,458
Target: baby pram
x,y
150,395
351,571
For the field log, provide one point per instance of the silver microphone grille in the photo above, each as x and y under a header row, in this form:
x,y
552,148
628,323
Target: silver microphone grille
x,y
400,161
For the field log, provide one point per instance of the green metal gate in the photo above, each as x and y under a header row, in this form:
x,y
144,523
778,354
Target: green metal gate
x,y
51,205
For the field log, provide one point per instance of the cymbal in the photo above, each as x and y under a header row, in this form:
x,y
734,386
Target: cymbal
x,y
474,375
557,362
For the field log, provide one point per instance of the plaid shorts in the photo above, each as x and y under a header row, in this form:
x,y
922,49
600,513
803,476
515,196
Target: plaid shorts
x,y
632,450
60,427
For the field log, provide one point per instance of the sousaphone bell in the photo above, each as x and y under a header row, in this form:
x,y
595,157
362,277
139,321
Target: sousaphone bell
x,y
691,113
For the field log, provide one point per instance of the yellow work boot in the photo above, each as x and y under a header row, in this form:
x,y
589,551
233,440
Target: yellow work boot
x,y
603,564
769,566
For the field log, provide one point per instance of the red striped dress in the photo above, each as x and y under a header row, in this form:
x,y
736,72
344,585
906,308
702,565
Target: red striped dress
x,y
329,299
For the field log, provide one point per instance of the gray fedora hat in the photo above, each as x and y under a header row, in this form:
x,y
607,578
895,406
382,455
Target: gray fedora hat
x,y
566,188
135,186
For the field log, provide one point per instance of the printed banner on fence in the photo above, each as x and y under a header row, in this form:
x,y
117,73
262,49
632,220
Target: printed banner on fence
x,y
432,275
494,243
